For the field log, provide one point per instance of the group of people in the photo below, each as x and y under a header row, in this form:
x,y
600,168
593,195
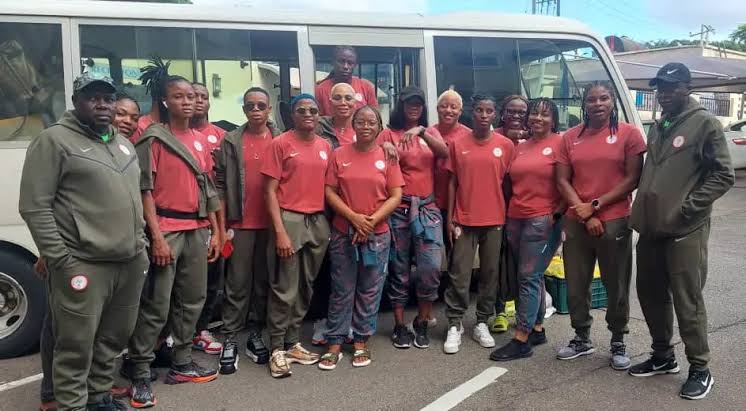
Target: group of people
x,y
136,235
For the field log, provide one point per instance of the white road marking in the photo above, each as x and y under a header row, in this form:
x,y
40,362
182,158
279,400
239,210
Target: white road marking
x,y
23,381
455,396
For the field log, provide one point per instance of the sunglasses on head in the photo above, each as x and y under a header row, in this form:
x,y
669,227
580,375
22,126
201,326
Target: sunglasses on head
x,y
340,97
252,106
307,110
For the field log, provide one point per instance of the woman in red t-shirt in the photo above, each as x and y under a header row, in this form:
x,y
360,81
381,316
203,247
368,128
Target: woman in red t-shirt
x,y
416,224
533,225
512,122
598,167
363,189
294,169
337,127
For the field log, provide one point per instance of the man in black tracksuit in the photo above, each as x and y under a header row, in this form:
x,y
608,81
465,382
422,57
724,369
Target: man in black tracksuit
x,y
687,168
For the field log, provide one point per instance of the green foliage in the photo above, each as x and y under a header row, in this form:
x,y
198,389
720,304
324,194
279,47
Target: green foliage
x,y
725,44
739,34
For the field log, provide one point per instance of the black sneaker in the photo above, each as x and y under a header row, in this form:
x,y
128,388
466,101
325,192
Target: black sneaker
x,y
107,404
537,337
229,358
191,372
127,369
654,367
255,348
162,357
697,386
142,394
402,337
421,340
513,350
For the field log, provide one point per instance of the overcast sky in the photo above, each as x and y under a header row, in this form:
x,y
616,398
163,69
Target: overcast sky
x,y
639,19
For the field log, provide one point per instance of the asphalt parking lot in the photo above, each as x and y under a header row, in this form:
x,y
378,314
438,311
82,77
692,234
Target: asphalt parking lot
x,y
414,379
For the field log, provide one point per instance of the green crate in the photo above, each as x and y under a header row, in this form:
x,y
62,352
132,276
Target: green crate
x,y
557,288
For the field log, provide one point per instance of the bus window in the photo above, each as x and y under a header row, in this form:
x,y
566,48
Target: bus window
x,y
231,61
388,68
32,90
557,69
120,51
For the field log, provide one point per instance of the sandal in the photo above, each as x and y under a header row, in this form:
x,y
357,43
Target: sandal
x,y
361,353
331,357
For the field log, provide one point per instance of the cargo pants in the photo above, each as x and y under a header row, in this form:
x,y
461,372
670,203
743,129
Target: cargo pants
x,y
291,282
174,293
94,309
671,273
613,250
356,286
246,284
488,239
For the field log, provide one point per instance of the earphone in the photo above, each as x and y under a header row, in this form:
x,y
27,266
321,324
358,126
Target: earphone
x,y
165,105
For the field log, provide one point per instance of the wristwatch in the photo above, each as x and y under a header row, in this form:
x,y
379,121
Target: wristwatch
x,y
422,133
596,204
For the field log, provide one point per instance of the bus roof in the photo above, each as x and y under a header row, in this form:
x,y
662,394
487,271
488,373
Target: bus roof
x,y
248,14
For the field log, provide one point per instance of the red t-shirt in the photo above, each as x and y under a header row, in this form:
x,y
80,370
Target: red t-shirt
x,y
535,191
362,181
174,185
479,167
142,123
441,172
213,133
255,215
300,167
597,161
365,94
417,162
345,136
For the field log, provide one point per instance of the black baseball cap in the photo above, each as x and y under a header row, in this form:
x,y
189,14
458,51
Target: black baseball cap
x,y
411,92
672,73
86,79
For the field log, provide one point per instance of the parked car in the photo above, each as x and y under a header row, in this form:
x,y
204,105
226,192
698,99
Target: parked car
x,y
735,133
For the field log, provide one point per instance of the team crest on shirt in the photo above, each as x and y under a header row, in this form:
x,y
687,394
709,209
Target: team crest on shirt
x,y
358,97
678,141
212,139
323,155
497,152
547,151
229,234
124,149
198,146
79,282
380,164
611,139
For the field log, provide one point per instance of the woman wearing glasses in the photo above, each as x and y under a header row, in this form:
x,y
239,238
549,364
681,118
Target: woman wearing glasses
x,y
239,183
294,172
337,127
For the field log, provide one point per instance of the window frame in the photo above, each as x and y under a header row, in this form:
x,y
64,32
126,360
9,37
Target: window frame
x,y
67,61
431,89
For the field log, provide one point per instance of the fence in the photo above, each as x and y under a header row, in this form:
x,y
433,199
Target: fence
x,y
645,101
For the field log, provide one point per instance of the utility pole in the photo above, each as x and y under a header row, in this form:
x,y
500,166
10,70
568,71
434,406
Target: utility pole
x,y
704,35
545,7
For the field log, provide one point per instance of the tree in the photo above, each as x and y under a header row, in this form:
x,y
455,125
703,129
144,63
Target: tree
x,y
739,34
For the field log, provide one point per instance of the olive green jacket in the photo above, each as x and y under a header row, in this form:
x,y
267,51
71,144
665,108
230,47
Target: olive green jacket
x,y
80,196
687,168
229,170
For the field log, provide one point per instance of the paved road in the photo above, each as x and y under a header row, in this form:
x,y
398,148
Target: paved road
x,y
414,378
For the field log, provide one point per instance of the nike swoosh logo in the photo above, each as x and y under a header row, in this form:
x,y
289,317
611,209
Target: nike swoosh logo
x,y
346,164
620,237
679,239
656,368
293,154
85,150
575,143
671,71
466,152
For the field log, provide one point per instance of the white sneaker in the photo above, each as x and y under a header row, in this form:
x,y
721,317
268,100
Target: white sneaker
x,y
453,339
482,335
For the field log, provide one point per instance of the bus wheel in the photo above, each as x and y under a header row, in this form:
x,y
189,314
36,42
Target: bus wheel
x,y
23,303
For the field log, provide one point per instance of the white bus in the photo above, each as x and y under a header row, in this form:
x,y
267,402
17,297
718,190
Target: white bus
x,y
45,44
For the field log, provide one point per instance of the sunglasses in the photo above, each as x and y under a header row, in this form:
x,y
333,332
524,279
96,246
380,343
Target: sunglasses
x,y
363,123
346,97
252,106
307,110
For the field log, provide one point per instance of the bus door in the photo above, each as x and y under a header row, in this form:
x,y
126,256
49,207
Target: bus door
x,y
390,58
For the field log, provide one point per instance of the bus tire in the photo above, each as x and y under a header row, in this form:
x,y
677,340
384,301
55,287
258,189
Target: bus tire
x,y
23,303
